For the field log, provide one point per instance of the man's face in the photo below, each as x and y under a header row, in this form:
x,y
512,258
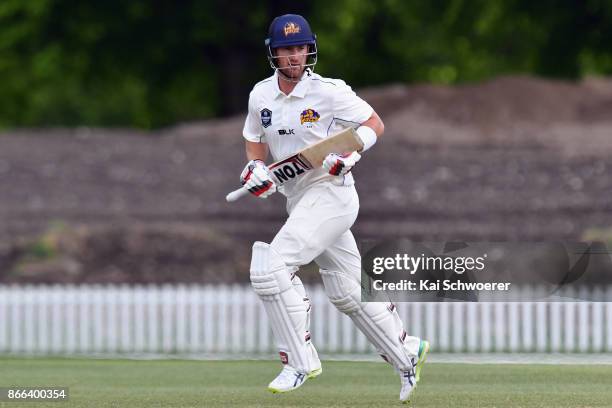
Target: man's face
x,y
291,60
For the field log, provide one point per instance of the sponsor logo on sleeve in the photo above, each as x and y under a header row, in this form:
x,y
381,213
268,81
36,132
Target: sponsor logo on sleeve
x,y
266,117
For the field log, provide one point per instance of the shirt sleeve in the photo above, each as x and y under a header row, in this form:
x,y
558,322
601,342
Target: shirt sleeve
x,y
350,108
253,131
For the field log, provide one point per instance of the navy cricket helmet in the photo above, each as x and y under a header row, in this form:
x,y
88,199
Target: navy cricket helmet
x,y
288,30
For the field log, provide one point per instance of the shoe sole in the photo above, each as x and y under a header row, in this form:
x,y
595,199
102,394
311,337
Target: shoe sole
x,y
310,375
421,360
315,373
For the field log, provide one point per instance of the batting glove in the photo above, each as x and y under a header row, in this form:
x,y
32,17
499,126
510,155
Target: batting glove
x,y
338,165
257,178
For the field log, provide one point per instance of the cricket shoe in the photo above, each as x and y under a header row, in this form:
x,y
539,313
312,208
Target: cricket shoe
x,y
411,377
290,379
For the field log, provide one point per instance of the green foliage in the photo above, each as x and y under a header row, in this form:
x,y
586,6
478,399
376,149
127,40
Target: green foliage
x,y
134,63
151,63
457,41
46,246
41,250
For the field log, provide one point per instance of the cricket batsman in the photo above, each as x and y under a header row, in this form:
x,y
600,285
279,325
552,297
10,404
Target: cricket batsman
x,y
288,111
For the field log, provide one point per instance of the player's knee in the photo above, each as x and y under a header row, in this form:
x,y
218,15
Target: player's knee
x,y
269,274
293,248
343,292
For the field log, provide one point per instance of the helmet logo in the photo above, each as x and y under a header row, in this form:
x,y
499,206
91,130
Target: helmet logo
x,y
291,28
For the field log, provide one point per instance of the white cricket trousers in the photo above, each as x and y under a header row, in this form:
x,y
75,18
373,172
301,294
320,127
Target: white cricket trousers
x,y
318,228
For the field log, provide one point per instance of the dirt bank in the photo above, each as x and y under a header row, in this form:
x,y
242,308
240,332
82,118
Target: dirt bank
x,y
510,159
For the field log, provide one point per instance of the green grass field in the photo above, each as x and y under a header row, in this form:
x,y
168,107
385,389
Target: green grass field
x,y
171,383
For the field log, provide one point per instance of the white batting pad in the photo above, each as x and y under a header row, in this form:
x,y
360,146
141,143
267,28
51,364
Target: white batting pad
x,y
286,308
301,290
377,321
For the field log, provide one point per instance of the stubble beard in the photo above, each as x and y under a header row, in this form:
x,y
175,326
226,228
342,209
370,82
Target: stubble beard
x,y
292,73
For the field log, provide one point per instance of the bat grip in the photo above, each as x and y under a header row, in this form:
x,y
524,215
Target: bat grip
x,y
236,194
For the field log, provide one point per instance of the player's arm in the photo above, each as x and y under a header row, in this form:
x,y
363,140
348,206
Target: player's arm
x,y
375,123
256,175
256,151
350,107
369,132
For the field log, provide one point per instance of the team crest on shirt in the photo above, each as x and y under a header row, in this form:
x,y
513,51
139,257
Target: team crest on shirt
x,y
309,116
291,28
266,117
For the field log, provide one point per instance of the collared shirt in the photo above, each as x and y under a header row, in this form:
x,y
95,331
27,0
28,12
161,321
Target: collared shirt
x,y
316,108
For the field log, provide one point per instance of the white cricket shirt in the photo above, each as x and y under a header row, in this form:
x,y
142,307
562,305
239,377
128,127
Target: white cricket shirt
x,y
318,107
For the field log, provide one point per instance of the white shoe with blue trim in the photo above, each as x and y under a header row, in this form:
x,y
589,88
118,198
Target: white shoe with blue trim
x,y
411,377
290,379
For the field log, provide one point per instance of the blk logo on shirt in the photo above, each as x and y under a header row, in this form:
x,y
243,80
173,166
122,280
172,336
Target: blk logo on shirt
x,y
286,131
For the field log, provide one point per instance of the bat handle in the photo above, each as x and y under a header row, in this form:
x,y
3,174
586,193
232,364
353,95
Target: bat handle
x,y
236,194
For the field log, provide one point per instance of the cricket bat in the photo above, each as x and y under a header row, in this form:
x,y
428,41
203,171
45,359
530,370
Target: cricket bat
x,y
307,159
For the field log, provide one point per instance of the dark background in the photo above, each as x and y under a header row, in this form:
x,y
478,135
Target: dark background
x,y
151,63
